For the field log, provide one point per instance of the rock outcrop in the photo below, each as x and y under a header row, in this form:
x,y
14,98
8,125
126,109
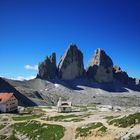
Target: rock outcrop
x,y
100,67
137,81
123,77
120,75
47,68
71,64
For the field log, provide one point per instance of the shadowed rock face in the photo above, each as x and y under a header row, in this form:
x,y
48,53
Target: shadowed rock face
x,y
48,69
123,77
120,75
71,64
100,67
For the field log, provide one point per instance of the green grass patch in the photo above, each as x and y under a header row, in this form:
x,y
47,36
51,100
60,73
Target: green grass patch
x,y
86,130
126,121
62,117
83,108
42,107
91,105
34,110
34,130
25,117
12,137
134,138
2,126
74,120
103,129
29,110
67,118
3,137
109,118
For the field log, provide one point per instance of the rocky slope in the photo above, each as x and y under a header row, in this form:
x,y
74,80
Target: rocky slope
x,y
43,92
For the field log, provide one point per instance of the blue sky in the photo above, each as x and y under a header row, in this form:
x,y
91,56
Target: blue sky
x,y
32,29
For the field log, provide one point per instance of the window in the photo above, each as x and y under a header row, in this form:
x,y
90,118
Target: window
x,y
64,104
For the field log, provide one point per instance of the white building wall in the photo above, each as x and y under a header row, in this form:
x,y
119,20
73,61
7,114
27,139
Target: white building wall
x,y
3,107
64,109
10,105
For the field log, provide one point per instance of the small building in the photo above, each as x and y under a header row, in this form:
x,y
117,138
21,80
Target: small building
x,y
8,102
64,106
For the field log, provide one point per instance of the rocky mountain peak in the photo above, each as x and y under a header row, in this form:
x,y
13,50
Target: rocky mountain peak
x,y
53,58
47,68
121,76
71,63
100,67
100,58
117,68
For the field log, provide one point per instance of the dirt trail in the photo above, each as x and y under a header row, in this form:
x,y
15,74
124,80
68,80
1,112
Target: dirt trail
x,y
69,133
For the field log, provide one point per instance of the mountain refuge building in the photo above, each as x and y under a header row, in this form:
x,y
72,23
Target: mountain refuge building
x,y
8,102
64,106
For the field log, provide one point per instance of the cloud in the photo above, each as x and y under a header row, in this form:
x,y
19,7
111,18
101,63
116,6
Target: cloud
x,y
30,67
22,78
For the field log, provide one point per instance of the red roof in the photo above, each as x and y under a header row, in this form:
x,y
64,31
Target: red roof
x,y
4,97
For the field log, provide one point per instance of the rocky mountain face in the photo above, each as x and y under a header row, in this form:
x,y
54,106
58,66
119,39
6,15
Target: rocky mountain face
x,y
100,67
70,67
47,68
123,77
71,64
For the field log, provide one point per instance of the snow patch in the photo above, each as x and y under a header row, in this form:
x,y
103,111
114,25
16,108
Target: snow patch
x,y
56,85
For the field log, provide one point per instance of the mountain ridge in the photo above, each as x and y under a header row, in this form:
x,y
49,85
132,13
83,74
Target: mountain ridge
x,y
100,67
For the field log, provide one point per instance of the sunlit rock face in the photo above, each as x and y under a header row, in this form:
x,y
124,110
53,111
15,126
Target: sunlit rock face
x,y
71,65
100,67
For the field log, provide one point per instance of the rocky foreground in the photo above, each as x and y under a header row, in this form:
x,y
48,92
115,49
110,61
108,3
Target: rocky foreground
x,y
84,123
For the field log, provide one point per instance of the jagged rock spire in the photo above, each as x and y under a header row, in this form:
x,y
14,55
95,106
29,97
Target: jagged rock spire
x,y
100,67
47,68
71,63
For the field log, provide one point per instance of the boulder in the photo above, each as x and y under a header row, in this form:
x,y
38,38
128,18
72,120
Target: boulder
x,y
100,67
71,65
47,68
